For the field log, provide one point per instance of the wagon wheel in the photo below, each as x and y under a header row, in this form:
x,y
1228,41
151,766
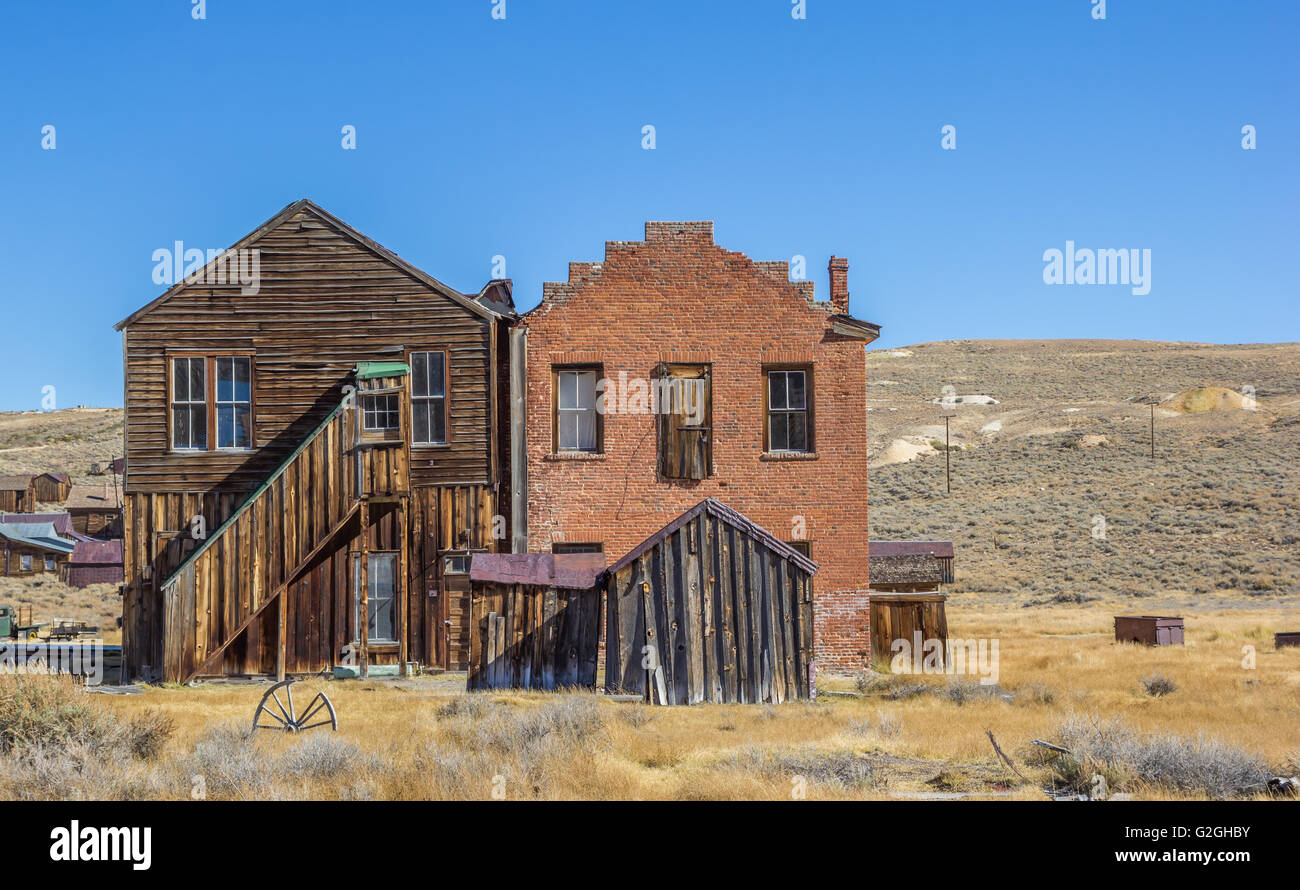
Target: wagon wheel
x,y
320,710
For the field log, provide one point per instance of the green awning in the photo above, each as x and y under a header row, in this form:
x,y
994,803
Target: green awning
x,y
371,370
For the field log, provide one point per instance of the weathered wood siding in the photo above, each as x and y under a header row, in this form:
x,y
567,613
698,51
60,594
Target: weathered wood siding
x,y
11,562
533,637
15,501
49,490
902,617
325,302
719,616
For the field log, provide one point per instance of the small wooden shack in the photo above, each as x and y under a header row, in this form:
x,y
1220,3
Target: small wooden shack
x,y
18,493
96,510
94,562
52,488
906,602
534,620
713,608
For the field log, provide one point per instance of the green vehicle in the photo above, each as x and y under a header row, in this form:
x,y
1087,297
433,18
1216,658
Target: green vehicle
x,y
18,624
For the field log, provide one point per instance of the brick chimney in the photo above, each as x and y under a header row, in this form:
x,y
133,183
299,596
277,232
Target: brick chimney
x,y
839,269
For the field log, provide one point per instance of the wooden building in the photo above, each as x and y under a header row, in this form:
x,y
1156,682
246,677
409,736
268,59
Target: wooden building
x,y
308,449
94,562
711,608
18,493
32,548
52,488
906,579
535,620
96,510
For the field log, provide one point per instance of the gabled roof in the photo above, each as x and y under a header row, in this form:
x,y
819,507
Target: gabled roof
x,y
59,477
35,534
17,482
722,512
91,497
579,571
342,228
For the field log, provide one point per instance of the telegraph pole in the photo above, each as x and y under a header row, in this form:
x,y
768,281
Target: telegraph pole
x,y
947,453
1153,431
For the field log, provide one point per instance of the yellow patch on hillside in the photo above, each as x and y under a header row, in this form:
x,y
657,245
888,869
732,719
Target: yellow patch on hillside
x,y
1205,398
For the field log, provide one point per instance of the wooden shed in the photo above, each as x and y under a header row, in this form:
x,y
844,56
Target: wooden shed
x,y
909,566
18,493
94,562
534,620
906,603
52,488
96,510
712,608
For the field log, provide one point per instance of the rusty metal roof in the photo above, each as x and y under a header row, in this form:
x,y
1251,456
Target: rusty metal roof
x,y
97,553
579,571
739,521
938,549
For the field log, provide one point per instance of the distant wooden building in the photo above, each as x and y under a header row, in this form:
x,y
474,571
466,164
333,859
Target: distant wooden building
x,y
906,578
95,510
94,562
62,523
711,608
534,620
18,493
52,488
32,548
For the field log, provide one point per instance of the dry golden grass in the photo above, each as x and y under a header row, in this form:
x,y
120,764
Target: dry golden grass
x,y
422,738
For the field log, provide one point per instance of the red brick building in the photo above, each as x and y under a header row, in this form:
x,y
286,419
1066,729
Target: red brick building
x,y
676,370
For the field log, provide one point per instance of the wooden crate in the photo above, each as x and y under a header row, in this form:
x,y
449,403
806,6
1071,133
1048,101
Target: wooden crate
x,y
1150,630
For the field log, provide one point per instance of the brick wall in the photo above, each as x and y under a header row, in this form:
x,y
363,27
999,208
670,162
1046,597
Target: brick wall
x,y
677,297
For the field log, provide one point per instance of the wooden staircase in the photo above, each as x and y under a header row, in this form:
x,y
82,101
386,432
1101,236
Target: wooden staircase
x,y
315,502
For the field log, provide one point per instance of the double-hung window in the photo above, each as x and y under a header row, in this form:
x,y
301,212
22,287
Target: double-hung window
x,y
211,402
789,427
429,398
189,404
234,401
577,423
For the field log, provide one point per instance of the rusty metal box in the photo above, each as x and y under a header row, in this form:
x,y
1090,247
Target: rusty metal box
x,y
1152,630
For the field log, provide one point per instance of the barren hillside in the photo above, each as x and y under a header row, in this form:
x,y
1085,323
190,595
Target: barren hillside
x,y
1055,496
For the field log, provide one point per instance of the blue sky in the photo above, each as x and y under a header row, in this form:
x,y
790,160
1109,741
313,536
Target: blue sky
x,y
522,138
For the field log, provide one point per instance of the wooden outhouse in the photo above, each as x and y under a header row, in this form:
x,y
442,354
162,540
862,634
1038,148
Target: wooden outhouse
x,y
712,608
906,602
534,620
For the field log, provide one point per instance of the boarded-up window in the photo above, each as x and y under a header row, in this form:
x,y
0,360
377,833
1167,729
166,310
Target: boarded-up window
x,y
189,403
789,410
683,401
576,547
577,423
429,398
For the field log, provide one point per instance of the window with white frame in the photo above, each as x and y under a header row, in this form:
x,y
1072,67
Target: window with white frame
x,y
576,419
234,401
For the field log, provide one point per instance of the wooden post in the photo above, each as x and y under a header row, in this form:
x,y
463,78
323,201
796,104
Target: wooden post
x,y
1153,431
363,594
281,633
403,563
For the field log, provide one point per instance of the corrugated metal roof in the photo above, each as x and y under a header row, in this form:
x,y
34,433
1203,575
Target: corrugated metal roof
x,y
579,571
97,553
62,522
370,370
737,520
35,534
939,549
